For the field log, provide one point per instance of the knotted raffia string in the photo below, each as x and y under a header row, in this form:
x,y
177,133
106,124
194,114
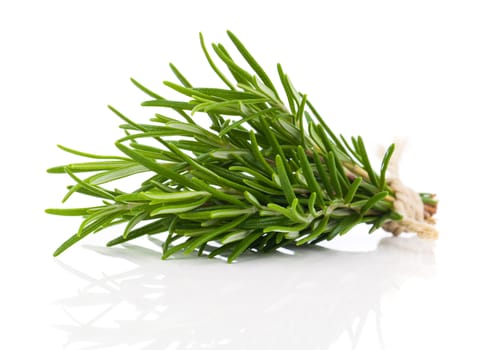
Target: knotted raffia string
x,y
409,204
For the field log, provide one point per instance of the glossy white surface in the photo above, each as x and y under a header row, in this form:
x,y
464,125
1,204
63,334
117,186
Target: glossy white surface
x,y
315,299
374,68
389,293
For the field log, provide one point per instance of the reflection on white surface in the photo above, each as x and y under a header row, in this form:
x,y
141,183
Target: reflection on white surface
x,y
309,300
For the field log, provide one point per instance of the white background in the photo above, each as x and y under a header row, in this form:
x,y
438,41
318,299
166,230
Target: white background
x,y
376,68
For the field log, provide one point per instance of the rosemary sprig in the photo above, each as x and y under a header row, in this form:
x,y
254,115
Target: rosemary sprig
x,y
265,174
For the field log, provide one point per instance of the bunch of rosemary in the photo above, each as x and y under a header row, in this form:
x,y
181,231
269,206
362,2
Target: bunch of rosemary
x,y
265,174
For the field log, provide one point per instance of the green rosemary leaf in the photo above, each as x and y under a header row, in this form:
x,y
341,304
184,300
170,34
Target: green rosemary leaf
x,y
217,214
349,148
286,229
157,133
154,152
157,226
146,90
253,200
176,248
67,244
237,72
194,93
316,232
331,164
178,208
116,174
252,62
352,190
165,197
287,131
381,220
372,201
202,216
131,197
230,107
135,220
214,233
264,90
311,204
321,121
216,193
246,119
274,143
309,176
230,213
324,140
180,76
279,238
193,130
228,153
194,146
171,236
70,211
126,119
316,139
289,212
300,119
99,218
89,166
254,223
366,162
92,189
257,175
261,188
284,180
152,165
294,92
343,226
383,168
226,95
222,249
235,177
235,236
89,155
428,198
158,97
169,104
243,245
262,242
322,174
258,154
213,65
161,118
192,231
285,83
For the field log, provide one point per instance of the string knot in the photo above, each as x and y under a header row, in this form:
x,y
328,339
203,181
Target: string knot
x,y
408,203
